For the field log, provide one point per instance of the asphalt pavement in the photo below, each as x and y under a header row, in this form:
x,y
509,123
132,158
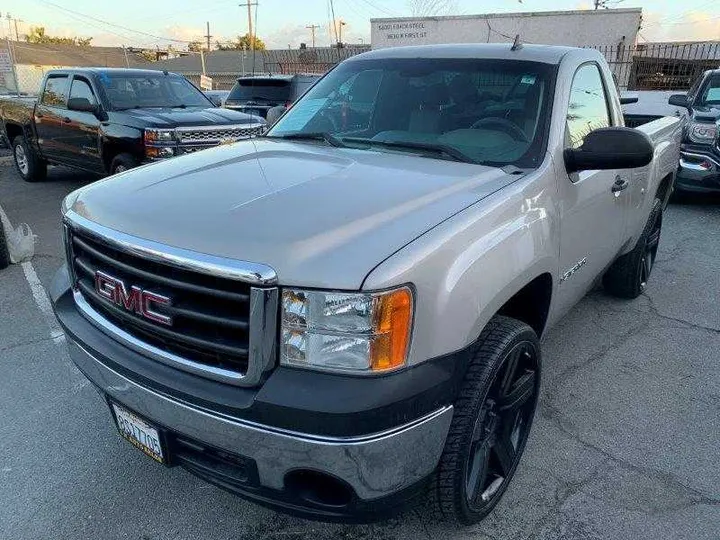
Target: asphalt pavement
x,y
626,442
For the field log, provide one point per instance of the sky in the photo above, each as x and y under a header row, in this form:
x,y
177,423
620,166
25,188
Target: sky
x,y
282,23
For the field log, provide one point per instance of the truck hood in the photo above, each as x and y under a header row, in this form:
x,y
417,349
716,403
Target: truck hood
x,y
174,117
320,216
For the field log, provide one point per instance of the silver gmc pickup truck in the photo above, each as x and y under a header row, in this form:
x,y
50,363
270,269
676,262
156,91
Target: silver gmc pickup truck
x,y
346,313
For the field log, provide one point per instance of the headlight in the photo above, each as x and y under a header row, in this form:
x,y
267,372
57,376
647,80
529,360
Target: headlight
x,y
68,201
702,133
362,333
153,136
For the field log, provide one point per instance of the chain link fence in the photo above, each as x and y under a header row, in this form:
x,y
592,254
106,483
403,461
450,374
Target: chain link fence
x,y
646,66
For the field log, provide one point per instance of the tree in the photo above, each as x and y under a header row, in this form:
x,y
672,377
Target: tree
x,y
242,42
195,46
37,35
430,8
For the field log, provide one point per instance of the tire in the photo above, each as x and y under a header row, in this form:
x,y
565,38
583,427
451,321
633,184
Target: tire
x,y
27,163
123,162
492,419
4,255
628,276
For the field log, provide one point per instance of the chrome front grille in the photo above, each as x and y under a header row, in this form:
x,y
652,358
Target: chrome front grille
x,y
218,134
221,327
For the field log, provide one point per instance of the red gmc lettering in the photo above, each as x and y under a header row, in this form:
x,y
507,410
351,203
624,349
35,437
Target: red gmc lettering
x,y
136,300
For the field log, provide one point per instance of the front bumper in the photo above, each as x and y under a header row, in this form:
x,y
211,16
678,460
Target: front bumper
x,y
374,467
377,471
698,171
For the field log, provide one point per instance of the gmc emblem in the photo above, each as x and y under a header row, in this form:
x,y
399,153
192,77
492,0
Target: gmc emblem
x,y
135,300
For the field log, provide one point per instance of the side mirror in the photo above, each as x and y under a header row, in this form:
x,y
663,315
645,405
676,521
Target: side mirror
x,y
610,148
275,113
679,100
81,104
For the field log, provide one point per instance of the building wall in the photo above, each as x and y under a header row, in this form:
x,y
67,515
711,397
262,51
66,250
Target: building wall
x,y
574,28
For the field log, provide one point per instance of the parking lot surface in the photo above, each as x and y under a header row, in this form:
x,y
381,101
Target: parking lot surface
x,y
626,442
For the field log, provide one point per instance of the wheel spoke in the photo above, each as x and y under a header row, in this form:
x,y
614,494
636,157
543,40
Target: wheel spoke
x,y
511,367
654,239
504,451
519,394
648,265
478,471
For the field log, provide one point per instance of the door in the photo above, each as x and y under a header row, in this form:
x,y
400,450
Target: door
x,y
594,203
50,116
82,132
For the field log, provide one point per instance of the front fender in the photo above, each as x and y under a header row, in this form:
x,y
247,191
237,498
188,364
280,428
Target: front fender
x,y
467,268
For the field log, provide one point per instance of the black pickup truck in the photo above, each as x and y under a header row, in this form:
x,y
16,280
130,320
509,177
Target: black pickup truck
x,y
107,120
699,169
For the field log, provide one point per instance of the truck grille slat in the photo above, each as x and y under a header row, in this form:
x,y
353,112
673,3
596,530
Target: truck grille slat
x,y
156,278
162,332
219,134
210,314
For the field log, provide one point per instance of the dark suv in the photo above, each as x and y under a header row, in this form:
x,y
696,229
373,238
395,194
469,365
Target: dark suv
x,y
256,95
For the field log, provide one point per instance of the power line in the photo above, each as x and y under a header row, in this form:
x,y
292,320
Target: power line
x,y
161,38
382,10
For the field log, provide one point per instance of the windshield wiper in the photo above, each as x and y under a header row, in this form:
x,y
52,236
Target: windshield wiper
x,y
450,151
318,136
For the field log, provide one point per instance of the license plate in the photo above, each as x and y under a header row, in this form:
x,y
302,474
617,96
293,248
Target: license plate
x,y
140,433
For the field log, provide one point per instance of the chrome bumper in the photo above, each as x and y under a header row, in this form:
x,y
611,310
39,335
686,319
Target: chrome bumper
x,y
374,465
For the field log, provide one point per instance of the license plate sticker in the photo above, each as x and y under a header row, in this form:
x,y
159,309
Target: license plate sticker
x,y
141,434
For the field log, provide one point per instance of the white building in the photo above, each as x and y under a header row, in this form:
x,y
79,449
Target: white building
x,y
607,27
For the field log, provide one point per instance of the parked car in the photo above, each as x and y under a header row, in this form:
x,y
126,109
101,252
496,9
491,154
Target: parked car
x,y
356,323
107,120
258,94
699,169
218,97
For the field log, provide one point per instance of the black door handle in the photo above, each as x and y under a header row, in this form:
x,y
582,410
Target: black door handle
x,y
67,120
619,185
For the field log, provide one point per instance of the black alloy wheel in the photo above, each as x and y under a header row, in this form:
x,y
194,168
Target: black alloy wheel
x,y
503,426
647,261
491,422
629,274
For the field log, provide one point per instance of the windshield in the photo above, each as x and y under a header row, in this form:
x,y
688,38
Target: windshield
x,y
275,90
711,93
143,90
490,111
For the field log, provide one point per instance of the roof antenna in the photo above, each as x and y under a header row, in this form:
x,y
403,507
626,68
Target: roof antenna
x,y
517,44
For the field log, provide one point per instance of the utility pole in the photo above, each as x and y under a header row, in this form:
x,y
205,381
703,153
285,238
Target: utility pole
x,y
249,5
312,28
342,23
208,36
17,35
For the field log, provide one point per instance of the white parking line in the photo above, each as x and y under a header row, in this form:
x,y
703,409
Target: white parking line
x,y
43,302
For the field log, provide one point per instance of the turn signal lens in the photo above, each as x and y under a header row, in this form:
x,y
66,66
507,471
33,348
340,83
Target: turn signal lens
x,y
393,314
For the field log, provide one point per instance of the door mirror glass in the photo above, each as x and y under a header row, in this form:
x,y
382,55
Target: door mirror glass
x,y
81,104
679,100
610,148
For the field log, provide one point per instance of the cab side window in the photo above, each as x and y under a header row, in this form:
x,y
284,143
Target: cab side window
x,y
81,89
588,107
56,89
